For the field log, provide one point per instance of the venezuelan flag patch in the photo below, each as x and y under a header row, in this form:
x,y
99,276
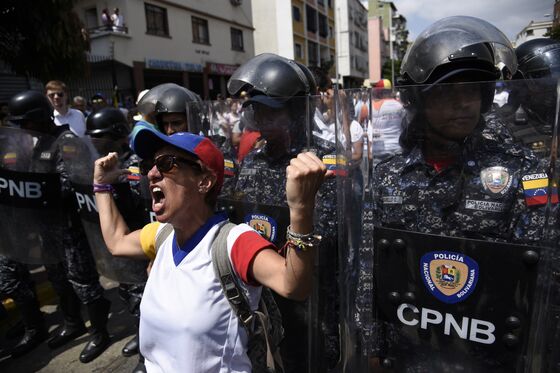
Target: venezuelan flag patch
x,y
338,165
229,168
134,174
535,187
10,159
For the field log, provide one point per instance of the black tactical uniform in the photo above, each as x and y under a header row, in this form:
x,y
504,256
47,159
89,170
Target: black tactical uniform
x,y
539,66
75,279
448,181
108,130
259,186
15,280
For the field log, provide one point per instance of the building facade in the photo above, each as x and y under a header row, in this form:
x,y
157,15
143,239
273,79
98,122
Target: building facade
x,y
303,30
197,44
388,38
352,36
535,29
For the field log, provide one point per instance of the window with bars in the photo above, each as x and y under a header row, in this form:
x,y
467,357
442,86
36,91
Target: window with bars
x,y
312,53
156,20
200,31
311,16
296,13
298,50
237,39
323,26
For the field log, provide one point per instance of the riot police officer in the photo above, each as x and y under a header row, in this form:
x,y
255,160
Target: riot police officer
x,y
109,125
281,107
75,279
15,280
16,283
174,108
456,178
539,66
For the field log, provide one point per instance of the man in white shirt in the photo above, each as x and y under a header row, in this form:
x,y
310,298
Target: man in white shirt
x,y
118,20
58,96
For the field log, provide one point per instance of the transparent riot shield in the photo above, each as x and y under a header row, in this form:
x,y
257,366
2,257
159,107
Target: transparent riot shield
x,y
30,197
456,261
80,155
272,132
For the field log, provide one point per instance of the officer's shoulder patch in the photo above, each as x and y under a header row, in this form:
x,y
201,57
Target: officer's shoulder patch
x,y
335,163
449,276
229,167
536,189
496,181
134,174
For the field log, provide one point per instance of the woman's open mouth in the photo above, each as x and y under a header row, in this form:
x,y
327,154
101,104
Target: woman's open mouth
x,y
158,199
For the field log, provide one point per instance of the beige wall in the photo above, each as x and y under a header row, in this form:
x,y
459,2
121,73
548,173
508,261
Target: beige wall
x,y
273,27
374,48
138,46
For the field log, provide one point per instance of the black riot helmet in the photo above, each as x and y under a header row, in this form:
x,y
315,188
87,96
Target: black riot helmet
x,y
107,122
273,76
539,66
31,110
539,58
278,83
172,98
457,49
456,45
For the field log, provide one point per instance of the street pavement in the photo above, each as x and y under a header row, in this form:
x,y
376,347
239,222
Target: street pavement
x,y
121,327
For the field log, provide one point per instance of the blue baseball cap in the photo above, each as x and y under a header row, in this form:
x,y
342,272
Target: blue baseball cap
x,y
147,141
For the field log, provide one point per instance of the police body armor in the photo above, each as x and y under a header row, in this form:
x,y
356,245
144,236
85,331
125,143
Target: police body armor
x,y
31,202
80,155
254,193
455,267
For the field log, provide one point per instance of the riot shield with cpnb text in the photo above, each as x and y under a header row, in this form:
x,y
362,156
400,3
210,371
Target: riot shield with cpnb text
x,y
80,157
31,203
455,267
452,304
255,194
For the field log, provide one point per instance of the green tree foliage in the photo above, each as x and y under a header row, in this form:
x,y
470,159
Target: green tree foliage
x,y
42,38
386,71
554,33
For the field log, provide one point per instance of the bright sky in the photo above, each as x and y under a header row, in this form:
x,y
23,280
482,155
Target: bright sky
x,y
510,16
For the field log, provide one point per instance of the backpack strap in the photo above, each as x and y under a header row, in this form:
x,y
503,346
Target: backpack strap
x,y
235,296
162,235
224,273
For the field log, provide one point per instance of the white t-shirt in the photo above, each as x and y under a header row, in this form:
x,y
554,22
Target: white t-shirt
x,y
501,98
118,20
384,134
326,131
74,118
186,323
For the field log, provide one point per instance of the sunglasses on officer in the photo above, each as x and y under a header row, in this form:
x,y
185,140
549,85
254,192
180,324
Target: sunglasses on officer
x,y
165,163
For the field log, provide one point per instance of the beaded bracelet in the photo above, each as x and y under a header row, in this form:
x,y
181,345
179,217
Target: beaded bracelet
x,y
102,188
301,242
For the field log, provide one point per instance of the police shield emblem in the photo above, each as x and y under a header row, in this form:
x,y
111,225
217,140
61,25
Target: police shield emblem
x,y
263,224
496,180
451,277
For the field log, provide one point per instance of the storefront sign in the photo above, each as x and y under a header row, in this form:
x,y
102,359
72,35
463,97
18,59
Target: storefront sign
x,y
173,65
221,69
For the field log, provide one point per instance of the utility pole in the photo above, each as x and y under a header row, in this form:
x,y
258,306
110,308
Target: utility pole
x,y
391,47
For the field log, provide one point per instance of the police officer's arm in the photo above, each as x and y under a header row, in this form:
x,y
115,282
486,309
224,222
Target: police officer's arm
x,y
291,277
119,239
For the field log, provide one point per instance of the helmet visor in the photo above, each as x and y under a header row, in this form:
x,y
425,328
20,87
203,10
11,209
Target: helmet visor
x,y
441,42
